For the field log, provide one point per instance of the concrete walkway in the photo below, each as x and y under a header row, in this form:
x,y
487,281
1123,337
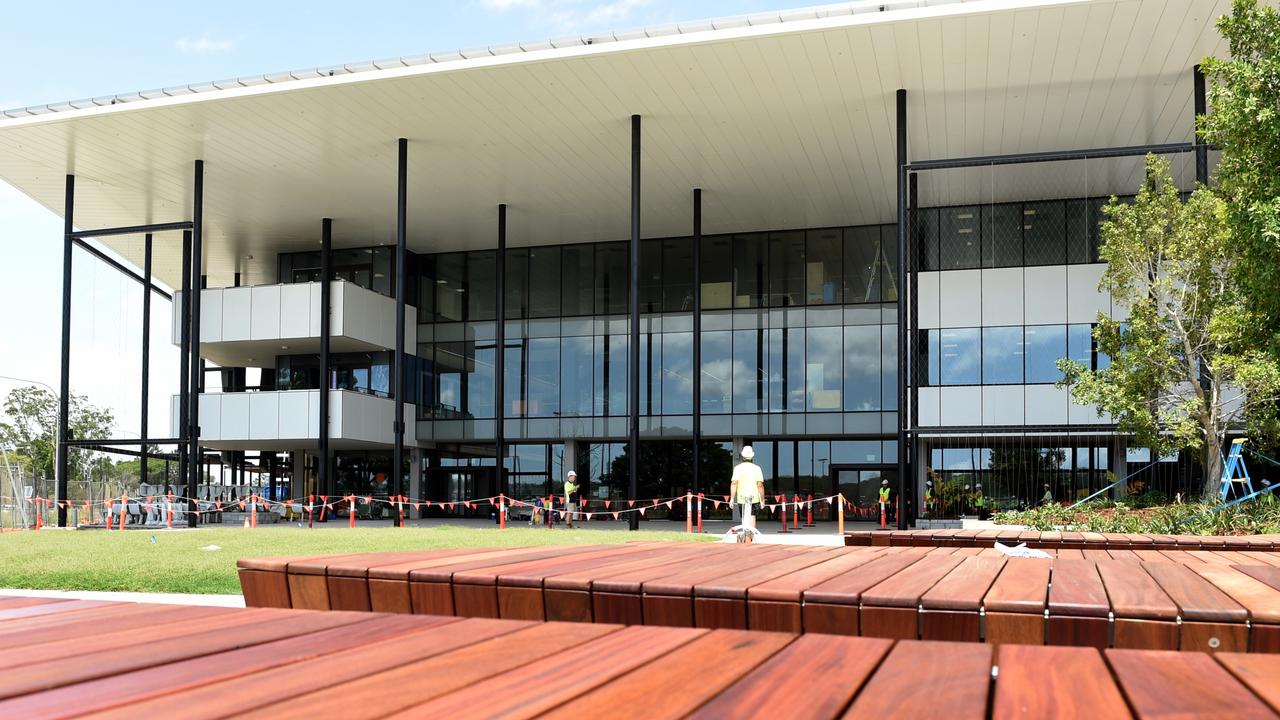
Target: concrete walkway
x,y
139,597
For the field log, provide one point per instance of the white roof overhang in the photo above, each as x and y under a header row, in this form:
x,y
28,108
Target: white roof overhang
x,y
783,125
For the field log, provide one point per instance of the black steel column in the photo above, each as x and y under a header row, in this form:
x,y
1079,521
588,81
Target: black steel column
x,y
633,364
397,363
1201,108
326,304
903,410
499,358
913,389
197,379
64,380
146,355
697,339
184,361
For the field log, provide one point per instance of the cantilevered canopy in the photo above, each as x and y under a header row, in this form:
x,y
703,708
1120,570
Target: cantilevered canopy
x,y
783,125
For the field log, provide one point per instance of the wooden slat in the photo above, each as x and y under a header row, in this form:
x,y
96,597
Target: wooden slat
x,y
1145,617
775,604
1211,620
895,689
668,600
1015,604
814,677
1046,682
1178,684
889,609
832,606
722,602
1260,673
1078,606
663,689
568,596
949,610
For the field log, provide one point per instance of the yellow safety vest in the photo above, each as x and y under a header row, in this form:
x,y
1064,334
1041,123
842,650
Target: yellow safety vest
x,y
884,494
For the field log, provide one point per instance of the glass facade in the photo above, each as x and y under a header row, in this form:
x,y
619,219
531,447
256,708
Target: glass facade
x,y
1055,232
1012,355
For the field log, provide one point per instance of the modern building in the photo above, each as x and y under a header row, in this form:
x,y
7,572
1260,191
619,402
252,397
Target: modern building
x,y
857,237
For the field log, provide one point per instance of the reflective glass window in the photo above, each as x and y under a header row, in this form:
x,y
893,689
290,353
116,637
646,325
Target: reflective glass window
x,y
480,292
960,357
576,375
862,368
544,282
1044,227
927,239
517,288
677,373
750,253
824,266
650,276
513,383
889,367
786,269
746,371
793,352
611,278
650,369
959,238
717,273
824,352
1002,235
717,372
1002,355
610,362
862,264
450,280
889,263
1080,344
577,279
1045,345
481,384
773,377
677,275
542,392
450,364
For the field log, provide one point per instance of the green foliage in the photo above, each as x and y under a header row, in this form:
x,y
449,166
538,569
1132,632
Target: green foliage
x,y
1184,367
32,427
1244,123
1141,514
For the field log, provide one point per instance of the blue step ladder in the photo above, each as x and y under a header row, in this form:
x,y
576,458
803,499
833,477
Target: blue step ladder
x,y
1234,471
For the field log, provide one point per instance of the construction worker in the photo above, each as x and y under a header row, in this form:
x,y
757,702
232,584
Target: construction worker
x,y
570,489
928,497
885,506
1048,495
979,501
747,487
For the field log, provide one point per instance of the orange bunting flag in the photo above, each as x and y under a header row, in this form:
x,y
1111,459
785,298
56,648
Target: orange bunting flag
x,y
451,505
241,504
655,501
469,505
588,516
615,514
367,499
606,504
426,503
631,503
726,498
415,506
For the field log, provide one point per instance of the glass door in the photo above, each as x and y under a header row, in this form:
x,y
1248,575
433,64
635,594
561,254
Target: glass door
x,y
861,487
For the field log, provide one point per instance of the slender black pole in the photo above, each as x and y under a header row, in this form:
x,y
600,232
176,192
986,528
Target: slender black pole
x,y
499,358
197,379
903,410
64,378
184,362
1201,108
913,389
146,356
326,304
397,364
697,339
633,366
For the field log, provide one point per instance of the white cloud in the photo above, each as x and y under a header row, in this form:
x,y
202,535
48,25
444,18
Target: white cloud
x,y
504,5
571,15
203,45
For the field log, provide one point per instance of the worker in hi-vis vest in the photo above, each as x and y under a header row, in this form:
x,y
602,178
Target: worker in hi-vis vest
x,y
928,497
1048,495
886,507
979,501
747,486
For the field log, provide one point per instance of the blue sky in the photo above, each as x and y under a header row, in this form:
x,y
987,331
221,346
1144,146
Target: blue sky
x,y
71,50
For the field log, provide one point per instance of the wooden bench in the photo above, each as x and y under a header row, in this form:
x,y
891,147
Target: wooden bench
x,y
70,659
1150,599
1059,540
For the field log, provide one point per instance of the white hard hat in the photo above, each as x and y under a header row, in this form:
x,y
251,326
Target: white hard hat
x,y
573,473
748,452
885,481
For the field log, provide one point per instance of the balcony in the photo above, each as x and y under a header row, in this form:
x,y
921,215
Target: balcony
x,y
289,419
250,326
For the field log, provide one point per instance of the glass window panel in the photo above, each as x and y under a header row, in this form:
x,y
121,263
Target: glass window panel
x,y
481,387
889,263
384,271
717,372
650,380
749,255
426,295
650,276
775,385
677,275
824,372
717,273
959,238
862,368
1080,344
677,373
610,395
480,291
793,351
746,371
513,385
611,278
577,278
785,452
543,390
933,354
544,282
517,289
959,357
824,274
927,238
862,264
1044,226
450,365
786,269
889,367
1002,235
576,375
450,276
1045,345
1002,355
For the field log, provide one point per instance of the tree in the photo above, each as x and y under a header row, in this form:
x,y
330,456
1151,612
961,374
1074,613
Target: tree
x,y
1184,368
1244,123
32,428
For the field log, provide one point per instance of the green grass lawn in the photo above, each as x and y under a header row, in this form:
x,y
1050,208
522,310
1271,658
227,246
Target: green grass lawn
x,y
174,563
